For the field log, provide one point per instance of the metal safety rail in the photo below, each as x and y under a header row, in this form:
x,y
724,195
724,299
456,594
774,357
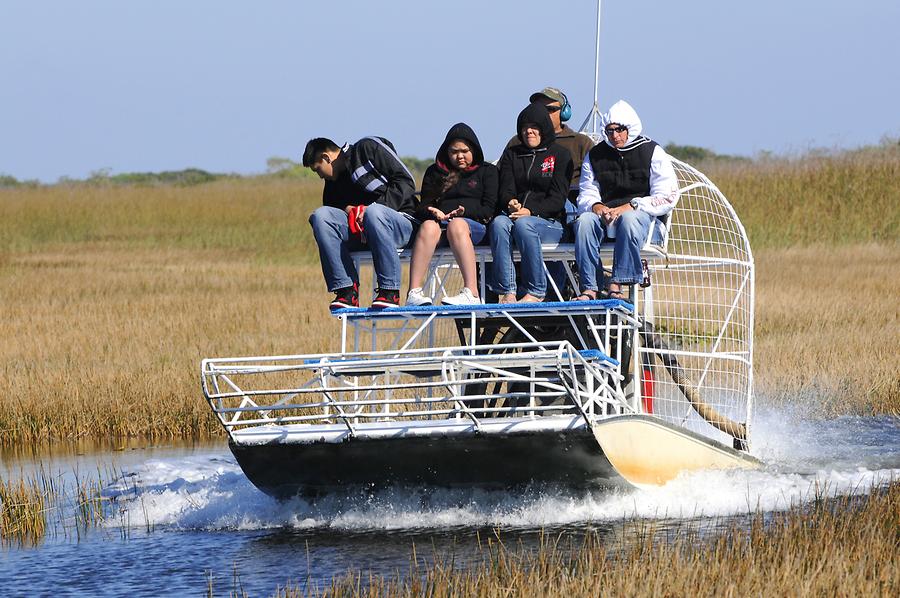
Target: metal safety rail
x,y
400,328
474,383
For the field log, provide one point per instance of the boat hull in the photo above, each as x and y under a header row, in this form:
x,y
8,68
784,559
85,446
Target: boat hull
x,y
495,461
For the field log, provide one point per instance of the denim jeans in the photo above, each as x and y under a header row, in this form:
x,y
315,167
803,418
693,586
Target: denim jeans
x,y
631,230
386,231
526,233
477,232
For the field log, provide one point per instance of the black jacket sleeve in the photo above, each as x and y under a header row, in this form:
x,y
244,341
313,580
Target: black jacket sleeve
x,y
432,182
374,166
490,181
507,188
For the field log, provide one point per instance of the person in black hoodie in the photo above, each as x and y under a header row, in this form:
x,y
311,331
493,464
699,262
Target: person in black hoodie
x,y
534,184
368,203
459,197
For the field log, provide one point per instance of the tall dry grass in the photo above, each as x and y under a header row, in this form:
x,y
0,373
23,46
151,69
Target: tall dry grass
x,y
836,547
33,506
828,328
23,511
110,296
830,199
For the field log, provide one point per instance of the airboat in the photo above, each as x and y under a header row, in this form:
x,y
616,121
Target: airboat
x,y
571,393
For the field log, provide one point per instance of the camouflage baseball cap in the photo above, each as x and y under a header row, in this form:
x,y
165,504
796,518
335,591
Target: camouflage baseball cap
x,y
551,93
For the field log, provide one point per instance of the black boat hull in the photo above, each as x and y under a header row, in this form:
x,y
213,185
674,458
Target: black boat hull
x,y
572,459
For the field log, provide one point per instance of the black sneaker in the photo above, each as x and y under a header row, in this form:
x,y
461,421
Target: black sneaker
x,y
346,297
386,298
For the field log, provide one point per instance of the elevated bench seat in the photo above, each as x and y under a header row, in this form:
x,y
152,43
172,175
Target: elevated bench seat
x,y
653,250
552,252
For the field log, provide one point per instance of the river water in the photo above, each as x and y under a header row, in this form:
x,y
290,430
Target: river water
x,y
185,516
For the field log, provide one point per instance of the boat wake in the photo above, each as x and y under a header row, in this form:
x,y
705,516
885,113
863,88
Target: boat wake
x,y
804,458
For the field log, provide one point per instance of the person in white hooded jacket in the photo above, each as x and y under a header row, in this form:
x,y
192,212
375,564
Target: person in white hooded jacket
x,y
626,184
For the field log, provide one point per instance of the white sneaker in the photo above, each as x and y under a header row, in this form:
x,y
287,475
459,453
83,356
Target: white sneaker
x,y
415,297
465,297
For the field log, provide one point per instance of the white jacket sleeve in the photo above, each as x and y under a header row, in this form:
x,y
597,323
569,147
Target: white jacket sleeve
x,y
588,188
663,185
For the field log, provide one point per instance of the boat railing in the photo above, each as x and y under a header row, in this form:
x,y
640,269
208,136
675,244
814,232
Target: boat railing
x,y
471,383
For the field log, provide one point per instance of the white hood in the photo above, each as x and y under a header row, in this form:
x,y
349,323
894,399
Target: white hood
x,y
623,114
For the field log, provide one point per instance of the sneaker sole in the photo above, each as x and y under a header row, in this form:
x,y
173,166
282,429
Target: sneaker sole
x,y
384,304
336,306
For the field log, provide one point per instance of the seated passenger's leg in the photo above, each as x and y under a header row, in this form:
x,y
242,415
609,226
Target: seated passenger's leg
x,y
460,233
528,234
427,238
332,234
387,230
557,270
631,230
503,279
589,234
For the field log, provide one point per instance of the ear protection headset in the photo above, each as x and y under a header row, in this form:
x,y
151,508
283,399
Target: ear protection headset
x,y
565,112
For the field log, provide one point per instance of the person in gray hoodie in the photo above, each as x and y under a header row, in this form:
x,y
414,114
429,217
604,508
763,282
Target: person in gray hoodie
x,y
626,185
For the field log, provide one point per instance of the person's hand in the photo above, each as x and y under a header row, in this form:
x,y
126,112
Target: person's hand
x,y
359,215
613,213
519,213
599,209
348,209
457,212
513,205
438,215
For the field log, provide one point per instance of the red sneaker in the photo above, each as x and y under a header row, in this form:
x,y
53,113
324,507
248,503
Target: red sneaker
x,y
386,298
346,297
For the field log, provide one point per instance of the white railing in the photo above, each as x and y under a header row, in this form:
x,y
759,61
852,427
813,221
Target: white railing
x,y
516,380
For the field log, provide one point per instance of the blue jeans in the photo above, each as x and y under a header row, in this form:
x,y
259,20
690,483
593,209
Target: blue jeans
x,y
386,231
631,229
526,233
477,231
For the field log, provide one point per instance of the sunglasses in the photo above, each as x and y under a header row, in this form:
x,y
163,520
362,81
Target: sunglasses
x,y
619,129
554,108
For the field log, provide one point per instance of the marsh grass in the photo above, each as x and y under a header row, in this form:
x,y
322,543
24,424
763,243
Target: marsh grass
x,y
111,295
23,516
826,198
833,546
35,505
828,328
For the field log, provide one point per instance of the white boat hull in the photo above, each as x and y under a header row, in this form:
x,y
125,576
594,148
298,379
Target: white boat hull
x,y
647,451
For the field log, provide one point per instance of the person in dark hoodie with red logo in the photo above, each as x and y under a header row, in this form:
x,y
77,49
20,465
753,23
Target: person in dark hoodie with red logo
x,y
534,183
459,198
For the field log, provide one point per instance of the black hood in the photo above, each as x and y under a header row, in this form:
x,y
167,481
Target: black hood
x,y
464,132
536,113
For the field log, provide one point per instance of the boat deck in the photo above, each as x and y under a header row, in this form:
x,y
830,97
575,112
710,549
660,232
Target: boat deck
x,y
399,428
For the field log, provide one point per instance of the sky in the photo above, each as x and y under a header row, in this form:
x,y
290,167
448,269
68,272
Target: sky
x,y
150,85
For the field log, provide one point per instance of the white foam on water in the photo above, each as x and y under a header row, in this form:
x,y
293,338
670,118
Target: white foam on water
x,y
804,458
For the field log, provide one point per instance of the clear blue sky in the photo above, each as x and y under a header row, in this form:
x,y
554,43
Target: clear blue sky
x,y
154,85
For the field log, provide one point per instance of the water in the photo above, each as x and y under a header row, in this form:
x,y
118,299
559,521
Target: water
x,y
184,513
